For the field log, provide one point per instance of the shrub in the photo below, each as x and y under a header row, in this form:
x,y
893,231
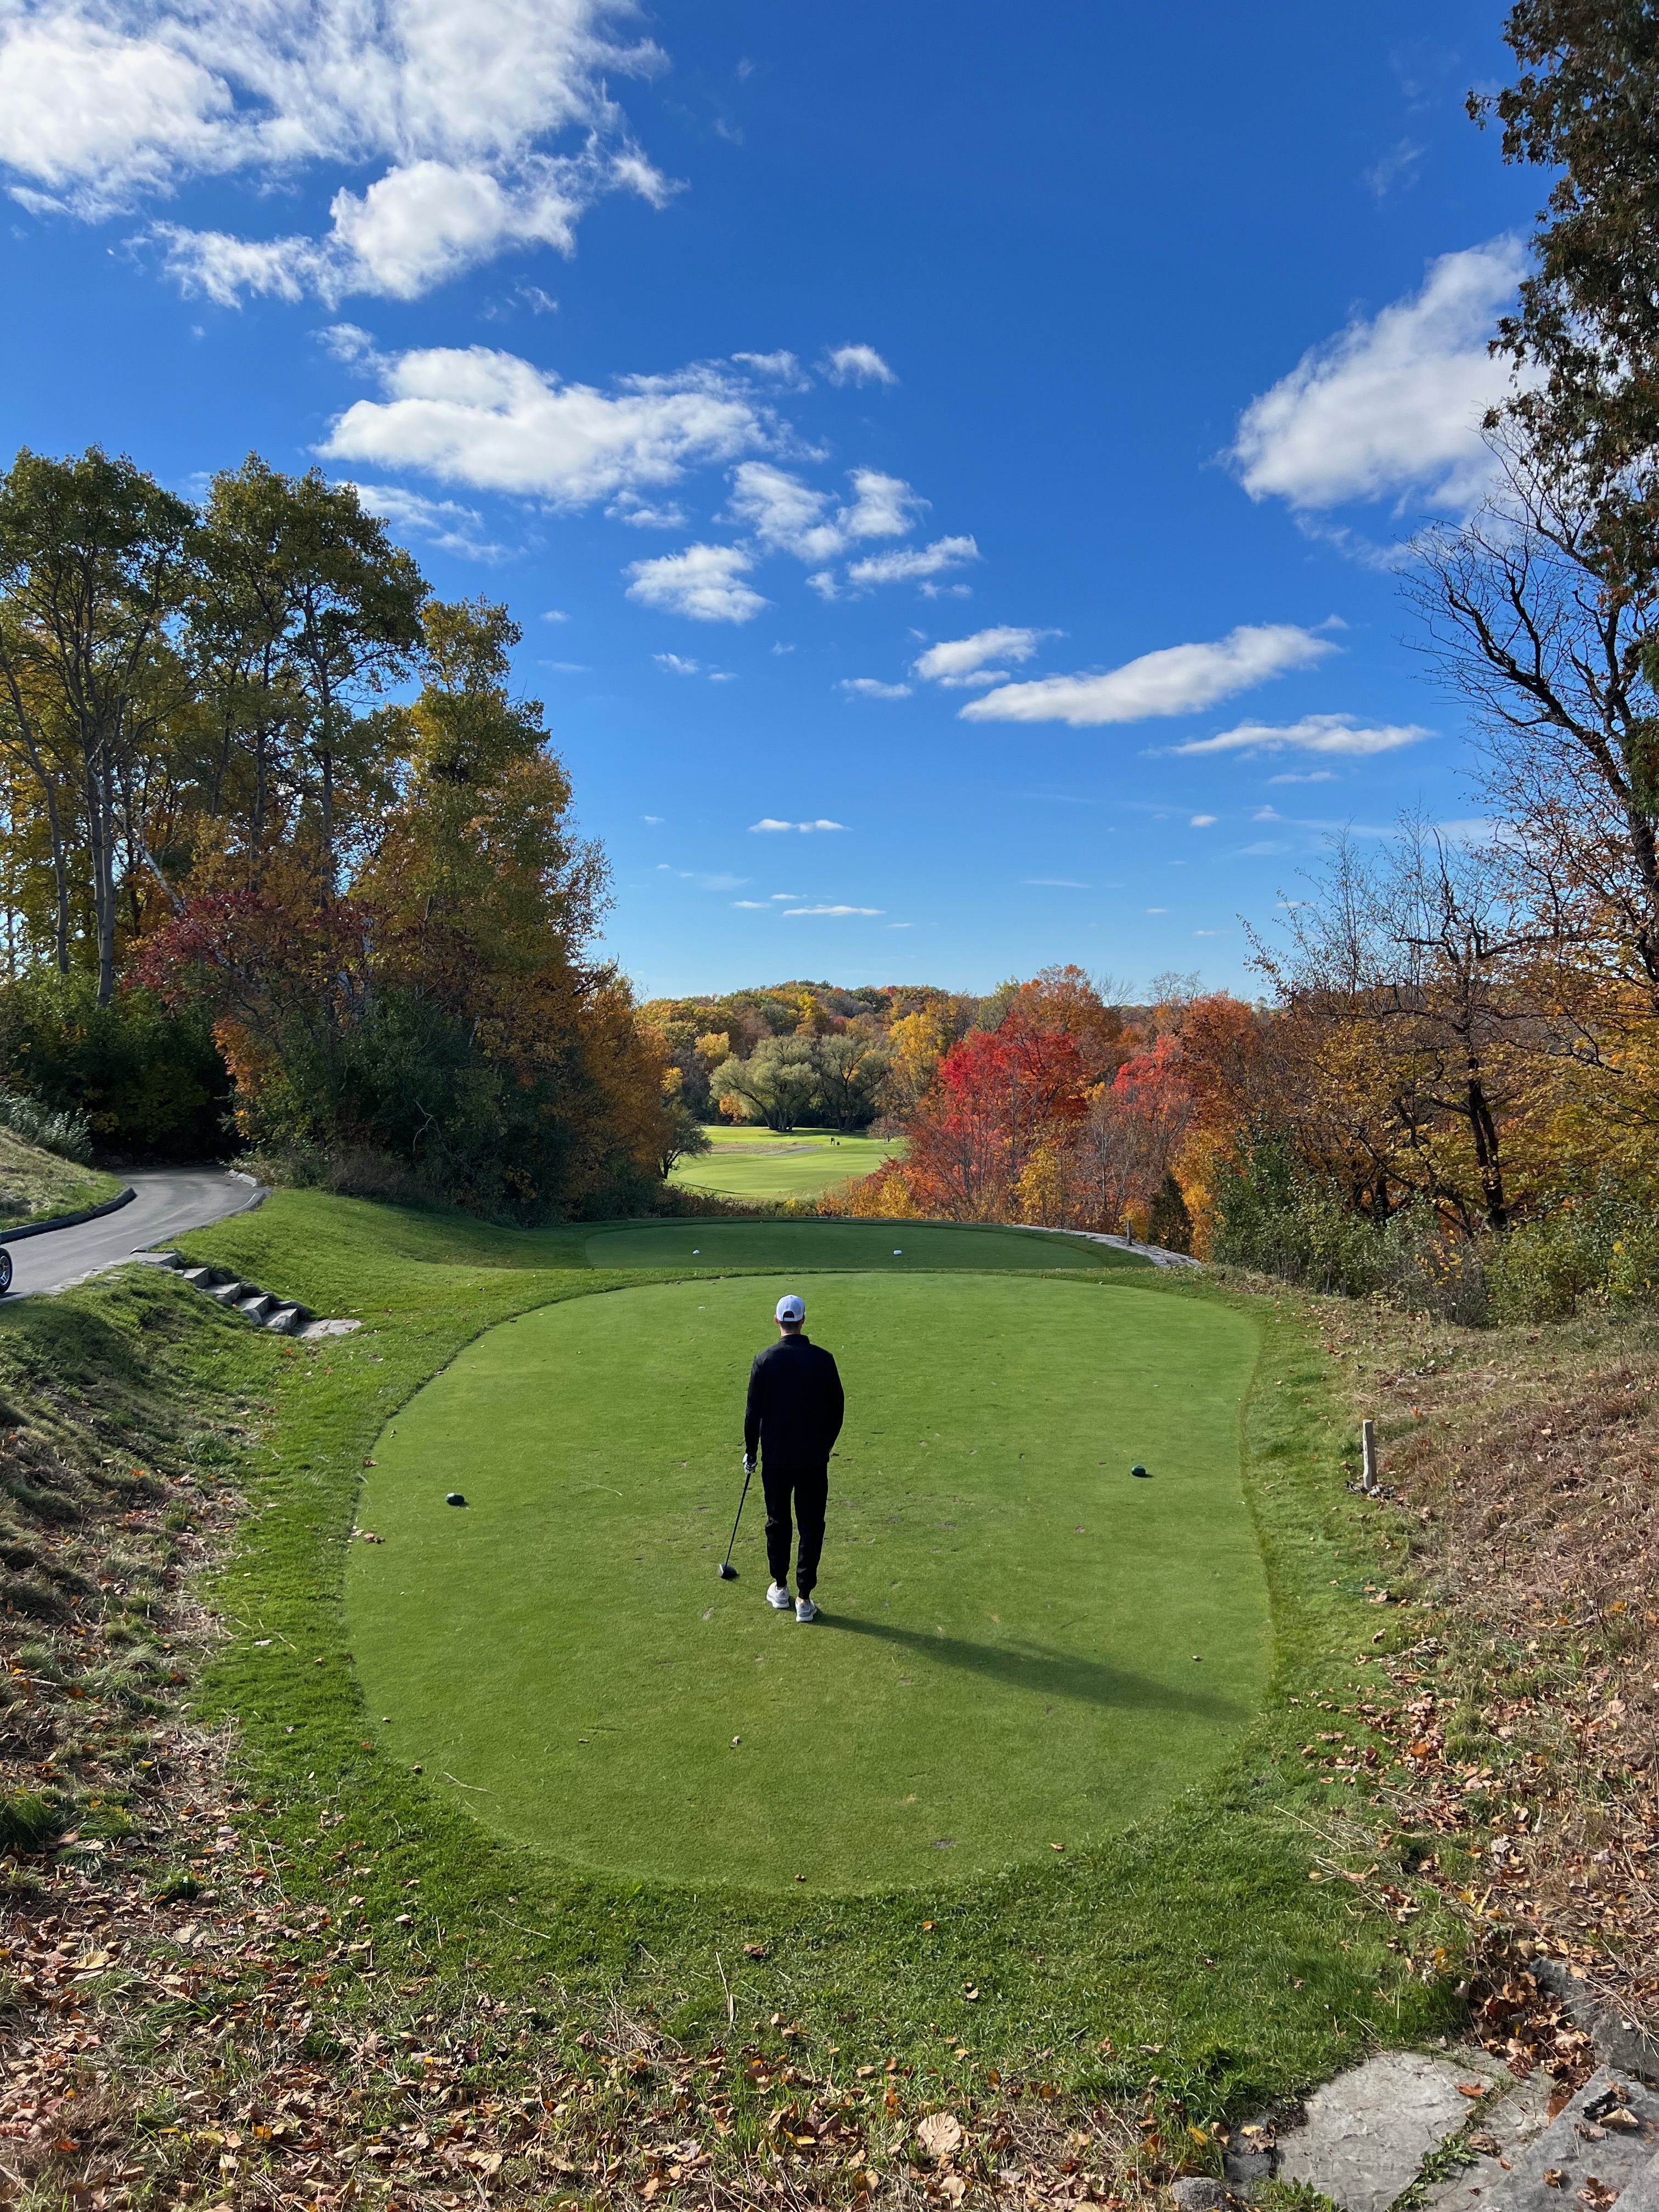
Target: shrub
x,y
1169,1225
1274,1215
67,1134
1599,1246
144,1082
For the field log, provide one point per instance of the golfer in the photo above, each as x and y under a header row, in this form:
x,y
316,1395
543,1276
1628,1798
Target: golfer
x,y
792,1417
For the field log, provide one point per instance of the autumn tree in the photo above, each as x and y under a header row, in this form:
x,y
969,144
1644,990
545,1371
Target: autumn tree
x,y
93,562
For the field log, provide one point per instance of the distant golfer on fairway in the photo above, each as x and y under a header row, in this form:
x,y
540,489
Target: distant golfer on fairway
x,y
794,1417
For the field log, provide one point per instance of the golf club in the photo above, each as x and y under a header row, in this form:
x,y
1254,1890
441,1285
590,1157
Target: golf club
x,y
725,1571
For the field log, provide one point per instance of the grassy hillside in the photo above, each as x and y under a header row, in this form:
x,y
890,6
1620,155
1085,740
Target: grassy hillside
x,y
320,1929
36,1185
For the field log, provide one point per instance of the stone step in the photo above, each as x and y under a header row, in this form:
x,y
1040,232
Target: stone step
x,y
257,1305
1365,2135
1504,2131
200,1278
229,1294
1609,2134
1642,2193
287,1320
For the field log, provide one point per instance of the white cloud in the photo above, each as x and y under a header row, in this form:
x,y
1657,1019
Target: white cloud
x,y
644,514
792,517
655,819
676,665
556,614
1392,405
1314,733
870,687
783,367
102,108
707,882
704,582
1313,775
752,906
1399,163
914,561
1056,883
794,913
478,416
858,364
1157,910
1262,847
440,522
768,822
1204,821
959,662
1179,680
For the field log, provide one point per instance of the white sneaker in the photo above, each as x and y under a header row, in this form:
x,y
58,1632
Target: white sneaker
x,y
805,1609
778,1598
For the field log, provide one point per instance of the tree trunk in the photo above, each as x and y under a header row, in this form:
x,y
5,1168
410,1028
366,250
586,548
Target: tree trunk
x,y
1484,1131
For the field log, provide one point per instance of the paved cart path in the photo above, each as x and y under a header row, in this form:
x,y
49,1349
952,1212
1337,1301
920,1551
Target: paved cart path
x,y
170,1201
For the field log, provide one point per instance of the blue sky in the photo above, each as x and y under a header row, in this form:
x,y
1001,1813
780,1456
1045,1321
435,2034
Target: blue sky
x,y
944,462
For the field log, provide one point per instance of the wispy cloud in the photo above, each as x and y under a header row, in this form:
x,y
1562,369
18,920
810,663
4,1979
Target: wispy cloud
x,y
768,825
795,913
1179,680
870,687
858,364
909,564
442,523
788,515
702,878
1314,733
1056,883
959,663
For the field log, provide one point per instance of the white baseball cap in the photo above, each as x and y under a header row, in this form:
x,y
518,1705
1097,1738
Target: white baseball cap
x,y
791,1309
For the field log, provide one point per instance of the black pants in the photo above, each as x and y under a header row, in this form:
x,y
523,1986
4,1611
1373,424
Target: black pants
x,y
810,1486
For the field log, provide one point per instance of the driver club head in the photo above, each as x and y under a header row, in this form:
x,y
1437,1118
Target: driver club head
x,y
727,1571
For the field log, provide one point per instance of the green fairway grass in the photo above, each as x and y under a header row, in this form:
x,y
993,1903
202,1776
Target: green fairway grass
x,y
1007,1656
889,1246
752,1162
1187,1955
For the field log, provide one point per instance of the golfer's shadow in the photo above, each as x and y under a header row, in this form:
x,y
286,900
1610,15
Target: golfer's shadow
x,y
1046,1673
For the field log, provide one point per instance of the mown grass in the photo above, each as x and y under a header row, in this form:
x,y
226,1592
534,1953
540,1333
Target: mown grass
x,y
1193,1950
38,1186
754,1163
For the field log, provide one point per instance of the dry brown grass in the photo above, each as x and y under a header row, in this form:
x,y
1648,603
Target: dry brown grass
x,y
1521,1469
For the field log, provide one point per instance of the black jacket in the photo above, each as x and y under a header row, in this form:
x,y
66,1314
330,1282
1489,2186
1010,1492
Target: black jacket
x,y
795,1404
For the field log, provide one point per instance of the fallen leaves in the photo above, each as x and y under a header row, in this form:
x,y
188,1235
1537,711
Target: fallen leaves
x,y
940,2135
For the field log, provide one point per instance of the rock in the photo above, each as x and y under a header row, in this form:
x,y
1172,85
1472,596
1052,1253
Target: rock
x,y
1368,2132
1199,2195
1504,2130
